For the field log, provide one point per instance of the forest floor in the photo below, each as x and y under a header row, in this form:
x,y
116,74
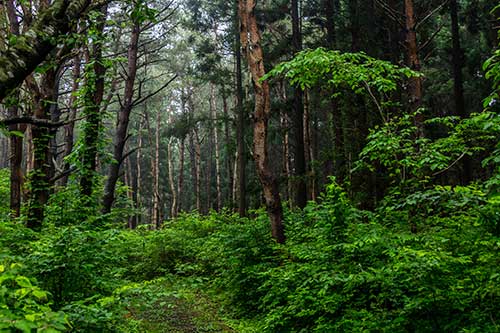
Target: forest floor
x,y
181,306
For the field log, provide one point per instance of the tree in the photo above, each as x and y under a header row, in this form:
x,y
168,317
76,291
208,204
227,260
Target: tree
x,y
32,47
250,38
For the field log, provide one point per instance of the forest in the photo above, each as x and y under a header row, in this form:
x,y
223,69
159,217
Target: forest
x,y
250,166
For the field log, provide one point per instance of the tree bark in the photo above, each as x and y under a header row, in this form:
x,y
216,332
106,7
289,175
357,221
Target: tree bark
x,y
415,87
213,111
123,119
329,8
69,129
33,46
180,184
156,220
93,99
227,139
197,165
240,130
38,178
15,141
300,199
250,37
171,181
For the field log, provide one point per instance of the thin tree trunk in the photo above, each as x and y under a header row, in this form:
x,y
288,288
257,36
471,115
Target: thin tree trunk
x,y
213,109
15,161
208,173
122,121
227,137
415,87
171,181
329,7
180,184
300,199
240,130
458,85
15,141
156,221
197,156
69,128
138,203
250,37
308,148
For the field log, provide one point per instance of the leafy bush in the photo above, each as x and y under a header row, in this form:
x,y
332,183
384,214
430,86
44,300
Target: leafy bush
x,y
25,307
4,194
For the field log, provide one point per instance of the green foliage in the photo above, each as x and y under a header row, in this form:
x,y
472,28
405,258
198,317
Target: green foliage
x,y
414,162
353,71
24,307
4,194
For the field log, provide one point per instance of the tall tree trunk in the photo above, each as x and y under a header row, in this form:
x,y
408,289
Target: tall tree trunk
x,y
69,128
197,164
227,139
208,173
156,218
93,98
192,158
458,85
38,178
138,158
171,181
308,148
15,161
180,184
457,60
250,37
415,87
329,8
240,128
354,25
122,121
300,199
15,141
213,111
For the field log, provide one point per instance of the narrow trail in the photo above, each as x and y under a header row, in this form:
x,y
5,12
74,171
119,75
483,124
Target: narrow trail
x,y
176,308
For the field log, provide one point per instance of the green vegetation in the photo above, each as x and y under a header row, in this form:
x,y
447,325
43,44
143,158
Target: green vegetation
x,y
342,270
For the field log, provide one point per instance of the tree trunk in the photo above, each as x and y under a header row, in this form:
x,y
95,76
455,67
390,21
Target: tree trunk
x,y
300,199
227,138
180,184
93,98
197,156
415,88
171,181
138,157
69,128
240,130
329,8
15,141
156,220
250,37
208,173
15,161
122,121
42,37
38,178
458,85
213,112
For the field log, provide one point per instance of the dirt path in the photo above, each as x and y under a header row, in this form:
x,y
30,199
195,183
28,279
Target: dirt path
x,y
176,308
